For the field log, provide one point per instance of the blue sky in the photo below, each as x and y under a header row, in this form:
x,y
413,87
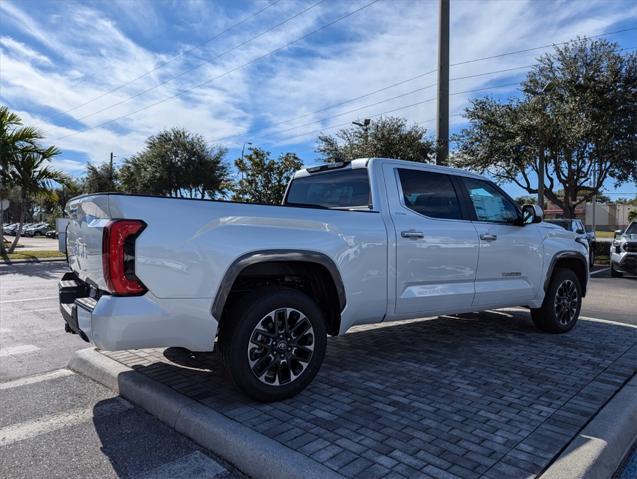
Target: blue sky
x,y
102,76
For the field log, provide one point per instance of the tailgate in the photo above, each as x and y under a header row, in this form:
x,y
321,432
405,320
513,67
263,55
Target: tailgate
x,y
87,217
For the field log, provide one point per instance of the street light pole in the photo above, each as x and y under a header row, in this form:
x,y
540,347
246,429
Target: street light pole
x,y
365,127
442,131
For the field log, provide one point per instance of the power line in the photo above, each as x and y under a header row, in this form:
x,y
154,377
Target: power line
x,y
431,85
216,57
254,60
170,60
465,62
405,107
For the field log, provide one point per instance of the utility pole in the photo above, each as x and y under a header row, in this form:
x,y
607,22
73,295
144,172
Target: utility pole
x,y
593,226
110,172
442,131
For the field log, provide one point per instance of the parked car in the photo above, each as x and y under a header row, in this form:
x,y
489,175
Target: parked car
x,y
10,229
36,229
51,234
361,242
577,227
623,252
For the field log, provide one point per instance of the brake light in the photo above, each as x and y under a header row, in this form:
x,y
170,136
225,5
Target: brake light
x,y
118,257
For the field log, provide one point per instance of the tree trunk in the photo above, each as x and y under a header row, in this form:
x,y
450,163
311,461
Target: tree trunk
x,y
3,250
18,231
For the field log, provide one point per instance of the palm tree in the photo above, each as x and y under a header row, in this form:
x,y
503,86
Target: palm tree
x,y
29,171
14,138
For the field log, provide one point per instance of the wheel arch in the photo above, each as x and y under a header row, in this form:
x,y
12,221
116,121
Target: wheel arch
x,y
322,280
573,260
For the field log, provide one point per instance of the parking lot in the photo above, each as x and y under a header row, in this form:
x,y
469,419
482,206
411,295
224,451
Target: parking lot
x,y
474,396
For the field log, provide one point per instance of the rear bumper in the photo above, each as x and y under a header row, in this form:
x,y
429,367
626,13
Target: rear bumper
x,y
116,323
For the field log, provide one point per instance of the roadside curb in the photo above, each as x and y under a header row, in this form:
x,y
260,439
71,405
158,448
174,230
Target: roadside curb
x,y
33,261
599,449
251,452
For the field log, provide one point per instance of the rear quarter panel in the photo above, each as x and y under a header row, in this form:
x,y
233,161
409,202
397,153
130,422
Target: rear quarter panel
x,y
188,246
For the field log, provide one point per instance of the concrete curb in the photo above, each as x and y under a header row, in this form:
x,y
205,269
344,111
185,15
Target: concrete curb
x,y
251,452
598,450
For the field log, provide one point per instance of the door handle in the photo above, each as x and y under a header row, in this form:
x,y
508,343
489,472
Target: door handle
x,y
412,234
488,237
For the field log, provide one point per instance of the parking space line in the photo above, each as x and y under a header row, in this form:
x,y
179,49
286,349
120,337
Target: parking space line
x,y
53,422
608,321
196,464
599,271
27,299
20,349
16,383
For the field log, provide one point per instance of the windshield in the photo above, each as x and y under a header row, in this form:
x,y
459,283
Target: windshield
x,y
632,229
338,189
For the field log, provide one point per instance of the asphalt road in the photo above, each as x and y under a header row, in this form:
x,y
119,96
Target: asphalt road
x,y
613,299
55,423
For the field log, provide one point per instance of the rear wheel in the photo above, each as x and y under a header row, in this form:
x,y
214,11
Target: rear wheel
x,y
560,310
273,343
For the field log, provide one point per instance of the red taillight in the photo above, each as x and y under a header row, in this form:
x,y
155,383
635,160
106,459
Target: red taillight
x,y
118,257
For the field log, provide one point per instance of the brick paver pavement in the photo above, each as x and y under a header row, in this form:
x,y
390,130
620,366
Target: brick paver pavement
x,y
478,396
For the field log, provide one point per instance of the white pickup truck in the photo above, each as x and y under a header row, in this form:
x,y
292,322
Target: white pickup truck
x,y
361,242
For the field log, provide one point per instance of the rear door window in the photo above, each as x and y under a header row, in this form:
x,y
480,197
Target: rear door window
x,y
430,194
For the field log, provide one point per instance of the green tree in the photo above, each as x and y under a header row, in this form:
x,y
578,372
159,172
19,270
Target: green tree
x,y
14,139
632,215
30,173
52,206
176,163
100,178
24,167
263,179
578,112
388,137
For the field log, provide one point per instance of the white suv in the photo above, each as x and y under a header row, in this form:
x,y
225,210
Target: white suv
x,y
623,252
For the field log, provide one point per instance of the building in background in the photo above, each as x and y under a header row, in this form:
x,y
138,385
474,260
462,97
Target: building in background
x,y
608,216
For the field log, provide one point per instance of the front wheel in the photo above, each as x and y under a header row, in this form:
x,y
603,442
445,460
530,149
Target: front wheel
x,y
273,343
561,307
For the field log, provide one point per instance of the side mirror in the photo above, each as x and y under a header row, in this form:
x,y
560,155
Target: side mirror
x,y
618,233
532,214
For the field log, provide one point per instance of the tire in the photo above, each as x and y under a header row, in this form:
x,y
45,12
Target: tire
x,y
613,272
561,307
275,368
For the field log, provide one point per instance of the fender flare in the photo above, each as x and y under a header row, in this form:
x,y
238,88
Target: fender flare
x,y
571,254
278,255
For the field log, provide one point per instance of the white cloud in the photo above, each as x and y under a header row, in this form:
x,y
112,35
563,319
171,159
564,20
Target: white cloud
x,y
386,43
23,51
